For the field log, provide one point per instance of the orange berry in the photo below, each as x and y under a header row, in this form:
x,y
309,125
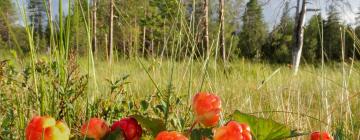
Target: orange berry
x,y
165,135
320,136
95,128
233,131
207,108
46,128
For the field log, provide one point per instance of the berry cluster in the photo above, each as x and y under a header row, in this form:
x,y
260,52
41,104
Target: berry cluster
x,y
98,129
206,107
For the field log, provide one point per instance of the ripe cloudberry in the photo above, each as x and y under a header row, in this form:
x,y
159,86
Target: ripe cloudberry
x,y
130,128
233,131
207,108
173,135
95,128
320,136
46,128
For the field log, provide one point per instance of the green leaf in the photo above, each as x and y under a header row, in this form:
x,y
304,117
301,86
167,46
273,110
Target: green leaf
x,y
264,129
200,134
152,124
144,105
115,135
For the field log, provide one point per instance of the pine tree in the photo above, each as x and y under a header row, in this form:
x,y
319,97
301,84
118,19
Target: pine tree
x,y
253,34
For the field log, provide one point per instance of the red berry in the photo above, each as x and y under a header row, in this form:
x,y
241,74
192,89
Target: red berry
x,y
130,128
233,131
46,128
207,108
96,128
165,135
320,136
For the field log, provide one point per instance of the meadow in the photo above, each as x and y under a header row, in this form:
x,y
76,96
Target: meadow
x,y
318,98
152,67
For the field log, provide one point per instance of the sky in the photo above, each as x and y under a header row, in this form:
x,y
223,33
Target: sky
x,y
272,9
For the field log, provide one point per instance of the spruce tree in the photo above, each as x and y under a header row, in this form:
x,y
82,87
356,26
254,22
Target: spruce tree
x,y
253,33
332,39
37,15
312,46
277,49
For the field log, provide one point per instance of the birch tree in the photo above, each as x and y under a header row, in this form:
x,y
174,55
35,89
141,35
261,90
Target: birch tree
x,y
298,34
222,29
111,32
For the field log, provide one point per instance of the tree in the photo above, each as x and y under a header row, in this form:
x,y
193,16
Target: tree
x,y
312,46
253,34
206,27
37,16
94,27
298,34
277,48
6,18
111,32
222,29
332,39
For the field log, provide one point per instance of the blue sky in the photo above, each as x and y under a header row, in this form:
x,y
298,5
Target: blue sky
x,y
273,9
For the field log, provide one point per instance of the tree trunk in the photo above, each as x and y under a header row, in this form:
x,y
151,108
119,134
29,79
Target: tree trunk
x,y
94,39
206,27
222,30
111,31
144,41
298,36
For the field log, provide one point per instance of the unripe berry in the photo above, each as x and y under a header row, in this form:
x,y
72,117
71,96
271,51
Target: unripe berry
x,y
130,128
207,108
165,135
46,128
320,136
96,128
233,131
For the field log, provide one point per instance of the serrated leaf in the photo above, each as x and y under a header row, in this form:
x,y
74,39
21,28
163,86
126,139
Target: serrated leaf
x,y
200,134
151,124
264,129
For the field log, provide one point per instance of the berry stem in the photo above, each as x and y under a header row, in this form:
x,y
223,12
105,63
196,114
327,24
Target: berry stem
x,y
192,127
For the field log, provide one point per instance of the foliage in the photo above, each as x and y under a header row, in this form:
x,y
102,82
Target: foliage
x,y
265,129
312,42
253,33
332,40
279,43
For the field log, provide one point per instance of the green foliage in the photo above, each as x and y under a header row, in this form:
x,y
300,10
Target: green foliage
x,y
6,16
279,43
115,135
253,33
264,129
332,36
154,126
200,134
312,43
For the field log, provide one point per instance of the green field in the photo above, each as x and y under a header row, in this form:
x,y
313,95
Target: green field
x,y
315,99
146,60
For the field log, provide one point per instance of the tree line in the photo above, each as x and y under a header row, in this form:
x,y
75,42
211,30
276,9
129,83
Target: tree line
x,y
189,28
